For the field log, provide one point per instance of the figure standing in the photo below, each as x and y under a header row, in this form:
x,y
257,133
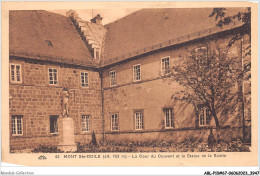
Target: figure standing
x,y
64,102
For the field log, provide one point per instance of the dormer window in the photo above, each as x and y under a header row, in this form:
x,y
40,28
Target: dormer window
x,y
96,53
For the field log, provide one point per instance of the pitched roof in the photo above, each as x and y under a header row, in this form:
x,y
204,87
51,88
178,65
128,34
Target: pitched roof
x,y
147,29
92,33
46,35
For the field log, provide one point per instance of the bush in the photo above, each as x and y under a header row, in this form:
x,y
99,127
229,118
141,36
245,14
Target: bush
x,y
94,140
46,149
150,146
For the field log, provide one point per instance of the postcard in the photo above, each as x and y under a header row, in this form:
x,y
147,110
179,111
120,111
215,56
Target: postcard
x,y
130,83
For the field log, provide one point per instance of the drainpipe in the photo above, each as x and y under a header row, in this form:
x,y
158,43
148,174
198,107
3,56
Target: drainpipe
x,y
102,105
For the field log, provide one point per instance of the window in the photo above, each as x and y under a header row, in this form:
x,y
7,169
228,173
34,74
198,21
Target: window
x,y
168,116
96,53
201,55
15,73
204,116
84,79
139,120
112,76
53,76
54,124
114,122
137,72
85,120
17,125
165,65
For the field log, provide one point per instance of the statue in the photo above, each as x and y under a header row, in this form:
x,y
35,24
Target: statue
x,y
64,102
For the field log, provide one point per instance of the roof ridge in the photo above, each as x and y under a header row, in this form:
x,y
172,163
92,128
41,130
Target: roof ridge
x,y
120,19
50,12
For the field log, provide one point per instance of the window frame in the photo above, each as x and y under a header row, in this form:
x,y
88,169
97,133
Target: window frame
x,y
163,72
136,80
202,47
205,120
56,117
56,76
16,126
110,79
111,119
135,124
15,73
87,123
171,118
84,79
97,53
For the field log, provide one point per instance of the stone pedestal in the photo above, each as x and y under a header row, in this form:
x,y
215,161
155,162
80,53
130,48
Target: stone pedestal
x,y
66,135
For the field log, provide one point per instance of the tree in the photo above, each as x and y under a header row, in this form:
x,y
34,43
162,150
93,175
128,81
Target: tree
x,y
208,77
243,16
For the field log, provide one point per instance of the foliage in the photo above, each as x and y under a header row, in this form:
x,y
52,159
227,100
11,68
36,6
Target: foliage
x,y
90,148
150,146
46,149
162,146
208,78
243,16
94,140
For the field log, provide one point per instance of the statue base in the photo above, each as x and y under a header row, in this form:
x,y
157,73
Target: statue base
x,y
66,135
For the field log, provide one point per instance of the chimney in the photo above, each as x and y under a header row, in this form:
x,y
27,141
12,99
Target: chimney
x,y
72,14
97,19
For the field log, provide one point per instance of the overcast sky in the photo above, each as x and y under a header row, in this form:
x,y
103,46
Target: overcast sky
x,y
109,15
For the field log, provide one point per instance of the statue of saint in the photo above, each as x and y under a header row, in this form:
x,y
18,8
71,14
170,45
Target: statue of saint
x,y
64,102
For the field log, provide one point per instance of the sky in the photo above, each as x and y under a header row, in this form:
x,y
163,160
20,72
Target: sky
x,y
109,15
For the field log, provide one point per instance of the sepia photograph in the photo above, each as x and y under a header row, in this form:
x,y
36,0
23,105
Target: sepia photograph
x,y
135,80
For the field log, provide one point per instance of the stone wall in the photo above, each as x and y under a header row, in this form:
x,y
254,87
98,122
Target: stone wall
x,y
36,100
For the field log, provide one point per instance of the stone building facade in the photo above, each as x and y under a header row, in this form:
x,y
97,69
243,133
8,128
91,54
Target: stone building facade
x,y
37,101
115,75
152,96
